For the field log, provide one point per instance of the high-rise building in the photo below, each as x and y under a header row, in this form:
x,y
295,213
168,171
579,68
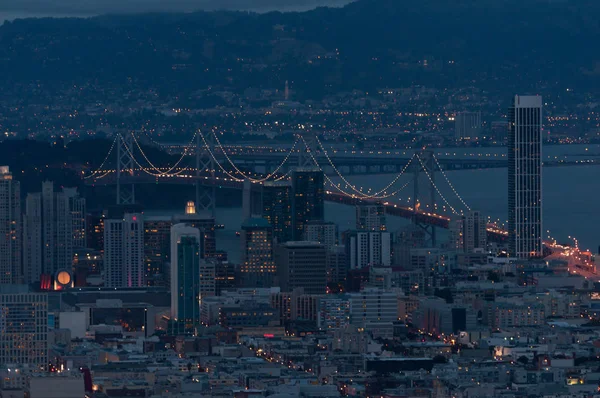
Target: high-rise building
x,y
185,276
78,217
10,228
368,248
337,264
157,250
525,177
258,268
321,231
95,231
24,325
48,233
467,126
469,232
406,239
309,196
277,209
302,265
124,251
370,217
205,222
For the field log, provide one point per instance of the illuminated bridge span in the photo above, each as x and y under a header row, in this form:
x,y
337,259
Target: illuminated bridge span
x,y
371,162
213,168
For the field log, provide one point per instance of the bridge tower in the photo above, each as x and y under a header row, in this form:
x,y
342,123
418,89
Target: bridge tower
x,y
205,162
308,148
125,167
424,163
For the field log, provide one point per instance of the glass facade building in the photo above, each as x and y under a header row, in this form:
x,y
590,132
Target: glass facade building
x,y
309,196
525,177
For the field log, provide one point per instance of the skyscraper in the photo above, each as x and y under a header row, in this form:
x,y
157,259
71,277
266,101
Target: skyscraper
x,y
157,250
205,222
10,228
370,217
185,277
24,325
277,209
48,233
124,251
302,265
258,268
78,217
309,196
525,177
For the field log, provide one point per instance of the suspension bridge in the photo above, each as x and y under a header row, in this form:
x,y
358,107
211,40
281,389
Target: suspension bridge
x,y
205,163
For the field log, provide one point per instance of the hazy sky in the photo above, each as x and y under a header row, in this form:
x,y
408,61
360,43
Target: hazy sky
x,y
16,8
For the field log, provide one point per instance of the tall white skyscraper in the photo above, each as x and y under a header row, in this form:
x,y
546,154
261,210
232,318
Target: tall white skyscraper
x,y
525,177
124,251
10,228
48,233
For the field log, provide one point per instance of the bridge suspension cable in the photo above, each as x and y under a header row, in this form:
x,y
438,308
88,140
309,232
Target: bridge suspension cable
x,y
166,173
435,186
217,162
104,161
450,184
337,186
247,176
365,195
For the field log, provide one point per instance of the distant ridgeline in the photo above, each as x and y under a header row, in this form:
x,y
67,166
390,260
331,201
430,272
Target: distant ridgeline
x,y
501,46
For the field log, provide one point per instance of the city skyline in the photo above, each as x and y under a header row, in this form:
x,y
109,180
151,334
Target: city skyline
x,y
379,198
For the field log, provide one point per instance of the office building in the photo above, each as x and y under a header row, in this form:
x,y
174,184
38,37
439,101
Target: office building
x,y
525,177
368,248
467,126
48,233
157,250
185,276
77,208
334,311
469,233
205,222
406,239
277,209
434,260
258,268
302,265
95,231
308,201
337,265
24,325
10,228
370,217
124,251
321,231
437,317
373,305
